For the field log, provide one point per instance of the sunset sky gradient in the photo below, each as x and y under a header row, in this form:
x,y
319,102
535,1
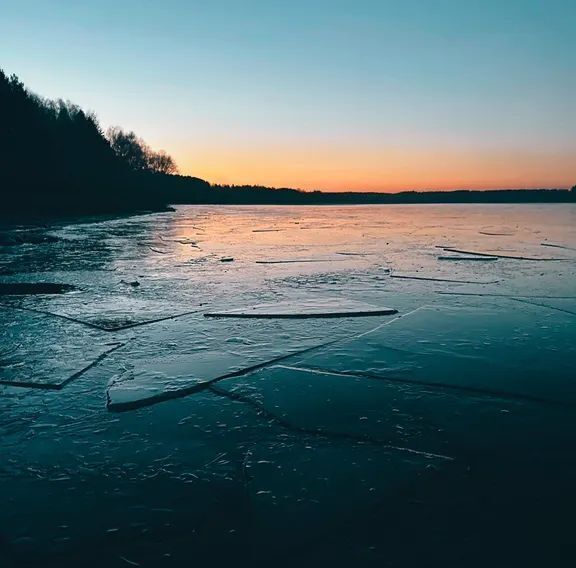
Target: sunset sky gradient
x,y
319,94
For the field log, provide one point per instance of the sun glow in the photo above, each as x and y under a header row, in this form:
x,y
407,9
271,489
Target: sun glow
x,y
376,169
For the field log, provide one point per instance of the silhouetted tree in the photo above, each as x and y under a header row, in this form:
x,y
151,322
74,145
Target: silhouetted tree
x,y
131,149
161,163
137,154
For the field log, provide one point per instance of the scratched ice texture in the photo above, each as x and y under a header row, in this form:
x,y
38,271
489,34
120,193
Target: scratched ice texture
x,y
135,431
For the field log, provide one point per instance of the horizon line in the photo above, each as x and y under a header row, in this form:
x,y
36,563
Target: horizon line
x,y
385,192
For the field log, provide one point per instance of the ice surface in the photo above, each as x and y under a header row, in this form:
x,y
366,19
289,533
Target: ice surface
x,y
476,350
379,419
316,308
325,457
410,419
292,489
335,406
26,360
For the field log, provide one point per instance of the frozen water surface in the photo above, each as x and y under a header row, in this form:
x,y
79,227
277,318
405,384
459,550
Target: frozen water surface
x,y
279,441
467,349
29,359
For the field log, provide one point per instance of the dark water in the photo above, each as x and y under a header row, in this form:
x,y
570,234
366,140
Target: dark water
x,y
137,431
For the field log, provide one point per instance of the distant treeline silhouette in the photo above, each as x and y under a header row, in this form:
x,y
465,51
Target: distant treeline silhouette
x,y
258,194
55,158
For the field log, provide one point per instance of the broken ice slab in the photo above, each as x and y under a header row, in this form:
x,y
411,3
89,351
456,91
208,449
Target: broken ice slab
x,y
564,305
54,371
318,308
521,351
162,378
510,295
296,260
436,279
355,253
411,420
42,353
172,376
112,313
211,349
337,407
480,258
556,245
495,254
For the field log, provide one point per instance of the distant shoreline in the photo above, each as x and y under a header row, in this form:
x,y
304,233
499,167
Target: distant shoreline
x,y
266,195
250,196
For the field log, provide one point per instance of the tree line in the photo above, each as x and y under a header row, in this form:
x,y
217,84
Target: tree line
x,y
54,156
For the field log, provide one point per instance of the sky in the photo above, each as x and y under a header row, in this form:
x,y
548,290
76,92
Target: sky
x,y
378,95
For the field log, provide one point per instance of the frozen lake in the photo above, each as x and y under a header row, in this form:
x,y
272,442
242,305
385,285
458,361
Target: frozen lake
x,y
373,385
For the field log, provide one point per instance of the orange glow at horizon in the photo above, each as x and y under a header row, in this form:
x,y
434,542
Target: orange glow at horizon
x,y
385,169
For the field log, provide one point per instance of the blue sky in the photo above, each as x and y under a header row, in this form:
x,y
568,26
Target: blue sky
x,y
334,94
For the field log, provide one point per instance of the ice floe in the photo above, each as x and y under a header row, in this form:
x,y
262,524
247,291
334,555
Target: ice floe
x,y
317,308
